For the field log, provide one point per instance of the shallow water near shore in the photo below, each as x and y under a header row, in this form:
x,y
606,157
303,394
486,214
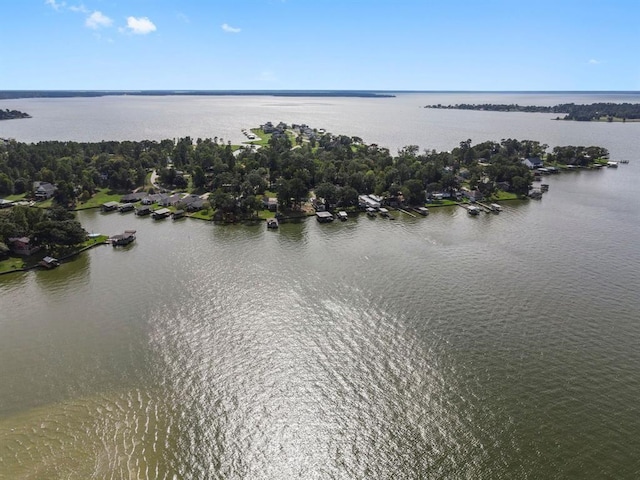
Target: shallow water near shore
x,y
451,346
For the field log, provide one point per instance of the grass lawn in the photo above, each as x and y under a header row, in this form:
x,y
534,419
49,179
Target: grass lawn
x,y
442,203
263,137
46,204
11,263
203,214
501,195
264,214
15,198
93,241
103,195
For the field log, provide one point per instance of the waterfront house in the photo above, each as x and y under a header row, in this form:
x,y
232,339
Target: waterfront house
x,y
196,205
473,195
23,246
189,199
134,197
504,186
533,162
178,214
174,199
369,201
43,190
270,203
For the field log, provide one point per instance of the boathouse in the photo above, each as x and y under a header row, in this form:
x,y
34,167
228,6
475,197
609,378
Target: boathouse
x,y
126,207
142,211
123,239
161,213
110,206
324,217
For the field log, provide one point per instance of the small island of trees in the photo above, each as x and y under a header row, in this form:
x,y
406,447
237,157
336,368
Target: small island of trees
x,y
7,114
583,113
289,163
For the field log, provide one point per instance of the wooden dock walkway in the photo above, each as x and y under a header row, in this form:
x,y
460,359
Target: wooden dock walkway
x,y
408,213
486,207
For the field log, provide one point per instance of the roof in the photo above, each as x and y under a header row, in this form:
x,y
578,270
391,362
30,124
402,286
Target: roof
x,y
46,187
134,197
534,160
20,239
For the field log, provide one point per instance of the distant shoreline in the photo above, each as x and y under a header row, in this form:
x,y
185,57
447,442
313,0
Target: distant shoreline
x,y
595,112
14,94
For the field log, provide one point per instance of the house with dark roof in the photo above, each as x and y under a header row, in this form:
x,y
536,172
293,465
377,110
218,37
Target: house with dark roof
x,y
43,190
23,246
133,197
196,205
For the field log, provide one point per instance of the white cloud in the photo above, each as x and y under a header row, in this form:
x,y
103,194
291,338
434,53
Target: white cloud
x,y
54,4
98,20
593,61
79,8
140,26
229,29
181,16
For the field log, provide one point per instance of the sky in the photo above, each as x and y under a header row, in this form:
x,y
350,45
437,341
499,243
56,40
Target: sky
x,y
493,45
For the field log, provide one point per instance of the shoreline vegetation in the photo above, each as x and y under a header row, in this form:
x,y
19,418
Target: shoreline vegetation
x,y
7,114
284,171
595,112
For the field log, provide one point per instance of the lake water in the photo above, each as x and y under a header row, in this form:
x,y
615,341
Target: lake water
x,y
501,346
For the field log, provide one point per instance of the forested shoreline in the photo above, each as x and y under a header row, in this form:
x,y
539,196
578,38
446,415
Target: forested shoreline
x,y
571,111
292,164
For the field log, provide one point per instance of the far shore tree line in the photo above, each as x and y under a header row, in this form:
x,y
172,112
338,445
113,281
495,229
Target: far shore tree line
x,y
571,111
336,168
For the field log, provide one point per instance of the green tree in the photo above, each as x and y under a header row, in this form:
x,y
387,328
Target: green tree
x,y
6,185
414,192
328,192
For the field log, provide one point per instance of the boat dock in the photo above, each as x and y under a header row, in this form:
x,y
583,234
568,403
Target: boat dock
x,y
407,212
123,239
471,209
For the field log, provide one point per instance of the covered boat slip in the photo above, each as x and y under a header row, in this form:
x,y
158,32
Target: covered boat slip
x,y
123,239
161,213
324,217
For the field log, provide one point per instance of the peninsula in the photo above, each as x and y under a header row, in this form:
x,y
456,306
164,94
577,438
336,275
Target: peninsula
x,y
608,112
282,171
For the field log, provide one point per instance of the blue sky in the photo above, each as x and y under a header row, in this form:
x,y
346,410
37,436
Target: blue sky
x,y
334,44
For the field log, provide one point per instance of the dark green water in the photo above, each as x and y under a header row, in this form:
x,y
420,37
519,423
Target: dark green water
x,y
502,346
